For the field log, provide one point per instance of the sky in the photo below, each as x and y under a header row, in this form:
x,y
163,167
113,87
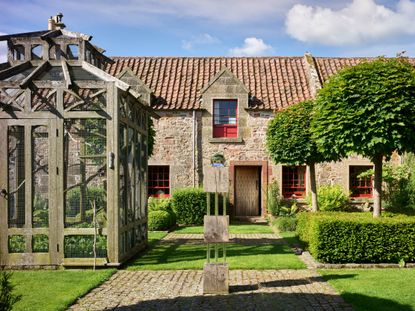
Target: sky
x,y
226,27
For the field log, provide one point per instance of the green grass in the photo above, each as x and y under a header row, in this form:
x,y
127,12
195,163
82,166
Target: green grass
x,y
375,289
55,290
155,236
170,256
233,228
292,238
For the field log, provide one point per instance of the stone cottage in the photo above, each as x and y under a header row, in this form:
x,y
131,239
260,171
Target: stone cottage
x,y
219,104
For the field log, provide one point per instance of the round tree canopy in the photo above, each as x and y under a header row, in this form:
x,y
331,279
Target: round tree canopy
x,y
368,109
289,138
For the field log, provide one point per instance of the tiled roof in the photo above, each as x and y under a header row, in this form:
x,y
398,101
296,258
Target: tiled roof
x,y
274,82
328,66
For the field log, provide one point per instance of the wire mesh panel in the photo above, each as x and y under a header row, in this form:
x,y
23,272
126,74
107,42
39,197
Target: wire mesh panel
x,y
40,177
85,172
85,100
130,175
43,99
122,173
17,243
40,243
12,99
82,246
16,177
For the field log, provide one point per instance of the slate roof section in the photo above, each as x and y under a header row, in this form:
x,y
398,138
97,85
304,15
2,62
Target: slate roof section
x,y
274,82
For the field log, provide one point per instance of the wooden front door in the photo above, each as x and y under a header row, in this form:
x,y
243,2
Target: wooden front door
x,y
247,191
27,181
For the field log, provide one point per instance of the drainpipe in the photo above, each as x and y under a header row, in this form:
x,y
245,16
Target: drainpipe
x,y
193,148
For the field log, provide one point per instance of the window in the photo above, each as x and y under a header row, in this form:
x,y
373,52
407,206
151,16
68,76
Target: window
x,y
225,118
18,52
360,187
158,181
37,51
72,51
293,181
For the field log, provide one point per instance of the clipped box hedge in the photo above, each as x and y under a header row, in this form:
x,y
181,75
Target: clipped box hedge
x,y
357,237
189,205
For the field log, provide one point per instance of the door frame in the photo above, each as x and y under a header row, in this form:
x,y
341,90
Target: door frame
x,y
28,258
264,182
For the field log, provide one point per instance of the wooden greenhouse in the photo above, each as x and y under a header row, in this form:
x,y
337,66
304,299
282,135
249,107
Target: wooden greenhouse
x,y
73,156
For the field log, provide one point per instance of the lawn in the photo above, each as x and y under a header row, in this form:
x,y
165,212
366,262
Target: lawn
x,y
233,228
55,290
170,256
375,289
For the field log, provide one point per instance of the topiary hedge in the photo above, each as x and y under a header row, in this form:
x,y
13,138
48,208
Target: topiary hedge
x,y
160,220
189,205
357,237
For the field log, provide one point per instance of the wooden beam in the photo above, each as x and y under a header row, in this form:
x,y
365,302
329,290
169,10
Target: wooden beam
x,y
14,70
105,76
67,76
33,75
51,34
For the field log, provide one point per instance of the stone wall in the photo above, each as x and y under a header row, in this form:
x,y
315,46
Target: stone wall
x,y
173,146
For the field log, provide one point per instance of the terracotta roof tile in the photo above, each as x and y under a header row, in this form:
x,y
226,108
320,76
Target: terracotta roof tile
x,y
274,82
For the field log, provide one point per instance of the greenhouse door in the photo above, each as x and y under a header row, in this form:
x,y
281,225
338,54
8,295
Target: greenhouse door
x,y
27,184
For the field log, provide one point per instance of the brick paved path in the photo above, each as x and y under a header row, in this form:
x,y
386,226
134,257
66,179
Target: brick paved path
x,y
181,290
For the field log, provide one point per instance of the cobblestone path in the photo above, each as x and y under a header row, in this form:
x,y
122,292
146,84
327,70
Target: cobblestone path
x,y
181,290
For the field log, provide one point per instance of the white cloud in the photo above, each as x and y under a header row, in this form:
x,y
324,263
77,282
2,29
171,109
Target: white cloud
x,y
359,22
252,47
204,39
3,50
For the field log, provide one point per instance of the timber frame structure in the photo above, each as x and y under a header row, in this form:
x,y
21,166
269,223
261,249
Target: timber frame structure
x,y
73,162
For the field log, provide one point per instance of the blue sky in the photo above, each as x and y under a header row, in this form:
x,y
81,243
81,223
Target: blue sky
x,y
226,27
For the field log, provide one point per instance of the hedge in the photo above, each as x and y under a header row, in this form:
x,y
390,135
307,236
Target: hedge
x,y
357,237
160,220
189,205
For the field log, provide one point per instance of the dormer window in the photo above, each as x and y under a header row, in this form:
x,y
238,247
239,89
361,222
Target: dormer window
x,y
225,118
37,51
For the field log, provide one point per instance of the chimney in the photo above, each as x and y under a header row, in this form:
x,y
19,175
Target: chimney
x,y
55,22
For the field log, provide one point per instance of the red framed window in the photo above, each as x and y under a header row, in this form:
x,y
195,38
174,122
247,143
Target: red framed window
x,y
360,187
158,181
293,181
225,118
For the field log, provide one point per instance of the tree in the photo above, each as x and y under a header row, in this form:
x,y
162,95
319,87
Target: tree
x,y
289,141
367,109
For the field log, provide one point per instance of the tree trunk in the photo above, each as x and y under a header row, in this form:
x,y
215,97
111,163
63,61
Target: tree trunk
x,y
377,189
313,187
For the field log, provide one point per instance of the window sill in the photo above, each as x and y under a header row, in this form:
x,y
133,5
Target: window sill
x,y
225,140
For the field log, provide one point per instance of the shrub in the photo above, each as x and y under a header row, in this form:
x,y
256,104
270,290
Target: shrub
x,y
189,205
358,238
285,223
160,204
274,200
160,220
331,198
7,298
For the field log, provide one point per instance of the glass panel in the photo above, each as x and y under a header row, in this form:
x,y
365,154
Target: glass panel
x,y
85,172
40,176
138,177
16,177
82,246
224,112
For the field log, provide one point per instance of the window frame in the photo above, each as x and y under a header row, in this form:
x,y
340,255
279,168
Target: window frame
x,y
289,186
353,181
154,184
223,130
